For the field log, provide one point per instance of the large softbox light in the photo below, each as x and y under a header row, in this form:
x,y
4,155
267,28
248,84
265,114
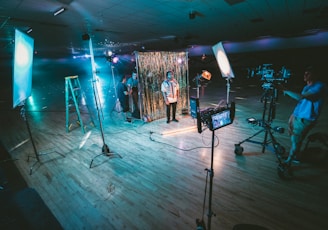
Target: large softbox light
x,y
22,68
223,61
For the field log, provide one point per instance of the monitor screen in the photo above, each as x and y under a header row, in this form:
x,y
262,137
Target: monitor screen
x,y
221,119
22,68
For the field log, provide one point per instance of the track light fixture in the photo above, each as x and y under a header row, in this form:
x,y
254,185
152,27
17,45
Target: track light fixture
x,y
59,11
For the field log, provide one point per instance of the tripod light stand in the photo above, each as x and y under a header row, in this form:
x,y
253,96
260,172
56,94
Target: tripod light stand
x,y
36,153
105,149
226,72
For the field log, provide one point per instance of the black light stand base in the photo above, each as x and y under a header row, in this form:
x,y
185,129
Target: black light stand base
x,y
36,154
105,149
105,152
37,158
200,224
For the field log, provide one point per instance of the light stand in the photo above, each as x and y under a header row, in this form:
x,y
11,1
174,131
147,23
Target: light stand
x,y
105,148
198,84
228,79
211,173
36,154
226,72
117,105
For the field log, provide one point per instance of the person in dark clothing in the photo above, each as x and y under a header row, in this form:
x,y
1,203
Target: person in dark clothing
x,y
132,83
123,97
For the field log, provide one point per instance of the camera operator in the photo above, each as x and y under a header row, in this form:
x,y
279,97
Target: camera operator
x,y
306,112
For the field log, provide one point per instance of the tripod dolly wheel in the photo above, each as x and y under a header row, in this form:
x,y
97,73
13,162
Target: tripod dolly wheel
x,y
239,150
284,171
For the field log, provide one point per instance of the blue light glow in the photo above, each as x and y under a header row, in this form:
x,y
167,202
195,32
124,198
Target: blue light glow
x,y
22,70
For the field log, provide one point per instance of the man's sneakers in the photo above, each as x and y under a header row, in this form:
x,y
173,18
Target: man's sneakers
x,y
175,120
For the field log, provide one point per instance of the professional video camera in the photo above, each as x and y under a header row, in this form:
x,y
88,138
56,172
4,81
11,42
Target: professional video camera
x,y
213,118
268,75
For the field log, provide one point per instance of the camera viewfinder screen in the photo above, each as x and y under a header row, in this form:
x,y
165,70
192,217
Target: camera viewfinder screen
x,y
221,119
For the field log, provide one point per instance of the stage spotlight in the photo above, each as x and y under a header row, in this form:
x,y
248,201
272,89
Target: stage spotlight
x,y
109,53
115,59
206,75
59,11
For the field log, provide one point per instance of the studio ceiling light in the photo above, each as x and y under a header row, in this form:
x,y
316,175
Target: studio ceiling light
x,y
59,11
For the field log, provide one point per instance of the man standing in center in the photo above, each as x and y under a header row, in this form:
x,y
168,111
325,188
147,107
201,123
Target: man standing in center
x,y
170,90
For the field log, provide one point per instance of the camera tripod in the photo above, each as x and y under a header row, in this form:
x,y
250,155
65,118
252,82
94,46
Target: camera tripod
x,y
269,97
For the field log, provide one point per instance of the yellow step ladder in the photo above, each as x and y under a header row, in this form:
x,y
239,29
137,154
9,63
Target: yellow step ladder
x,y
75,98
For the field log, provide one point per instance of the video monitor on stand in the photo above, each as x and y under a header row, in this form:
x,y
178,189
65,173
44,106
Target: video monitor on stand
x,y
215,118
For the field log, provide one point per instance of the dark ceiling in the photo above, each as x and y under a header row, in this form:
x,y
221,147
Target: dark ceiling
x,y
142,25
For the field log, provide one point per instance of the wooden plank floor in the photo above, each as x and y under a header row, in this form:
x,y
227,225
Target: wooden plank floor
x,y
156,178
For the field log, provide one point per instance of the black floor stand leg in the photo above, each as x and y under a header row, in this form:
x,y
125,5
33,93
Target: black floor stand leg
x,y
105,152
36,154
105,149
210,172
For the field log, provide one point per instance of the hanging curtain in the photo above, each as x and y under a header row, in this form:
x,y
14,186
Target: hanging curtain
x,y
152,68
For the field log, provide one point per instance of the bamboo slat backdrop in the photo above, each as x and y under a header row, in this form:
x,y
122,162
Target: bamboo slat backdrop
x,y
152,67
